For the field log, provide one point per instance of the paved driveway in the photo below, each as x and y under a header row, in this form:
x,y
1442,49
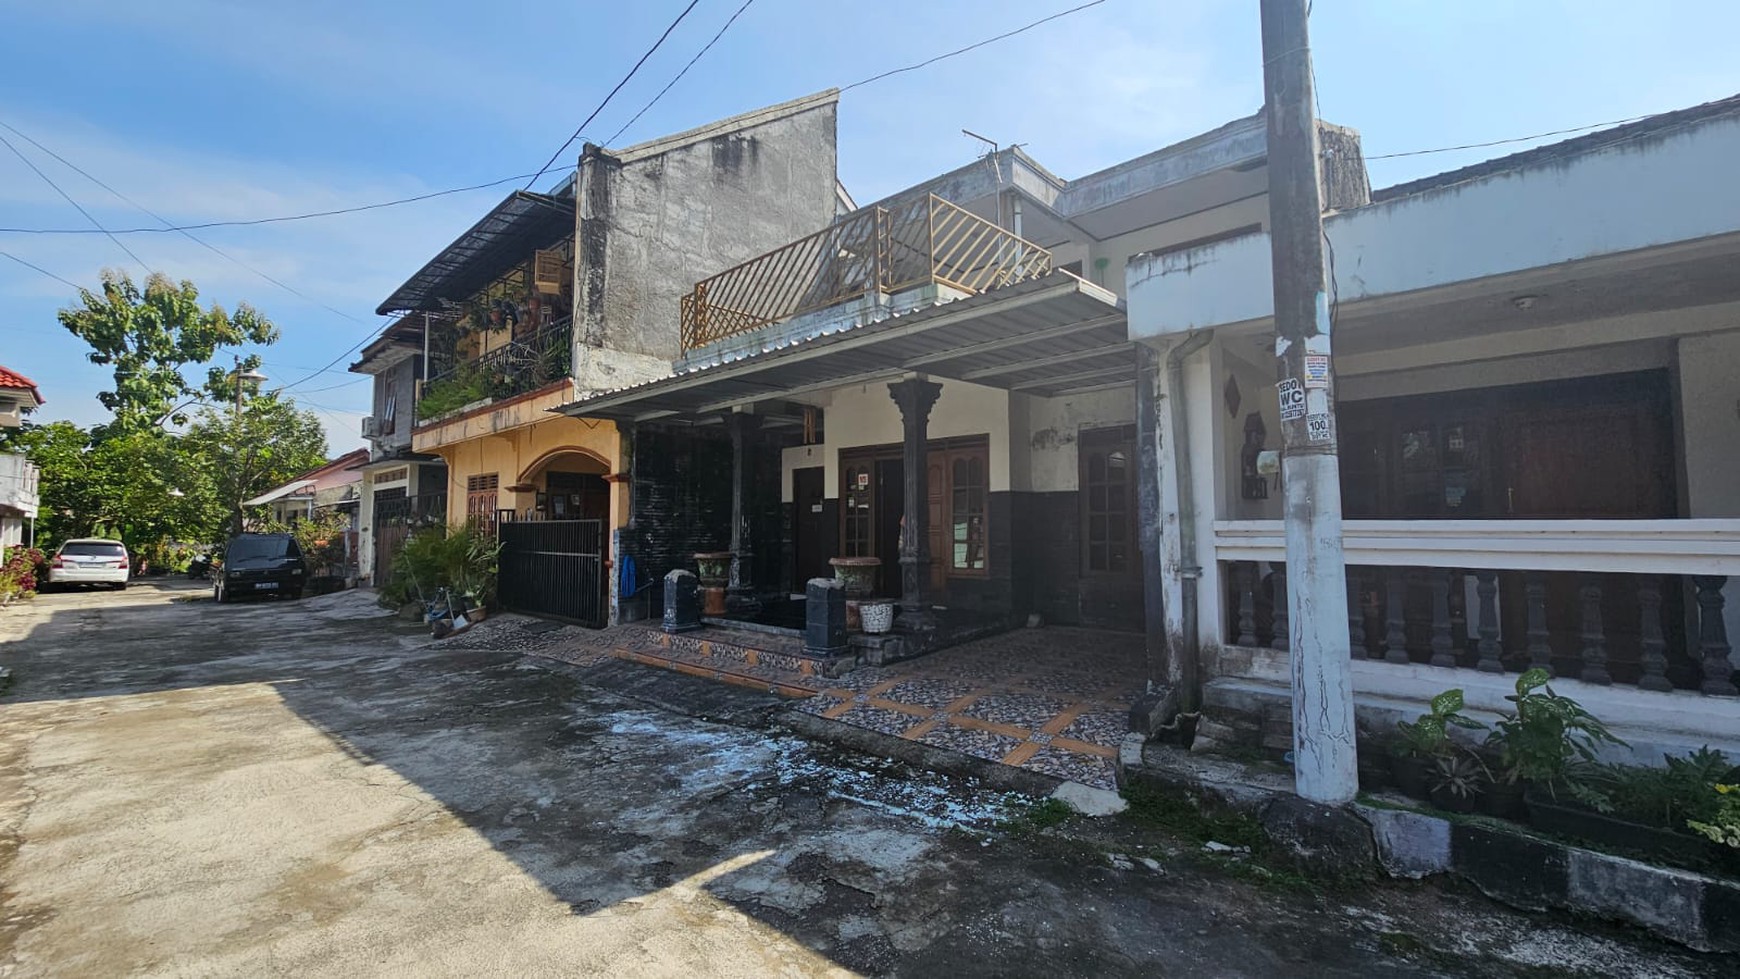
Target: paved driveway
x,y
311,789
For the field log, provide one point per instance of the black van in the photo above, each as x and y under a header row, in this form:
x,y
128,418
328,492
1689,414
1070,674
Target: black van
x,y
261,564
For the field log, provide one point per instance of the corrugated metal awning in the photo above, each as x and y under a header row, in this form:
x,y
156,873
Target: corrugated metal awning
x,y
506,236
1057,334
297,489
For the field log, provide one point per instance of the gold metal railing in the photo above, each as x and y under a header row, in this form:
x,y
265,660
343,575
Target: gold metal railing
x,y
884,250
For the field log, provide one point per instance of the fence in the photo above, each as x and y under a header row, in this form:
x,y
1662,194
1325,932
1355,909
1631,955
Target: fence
x,y
922,241
554,568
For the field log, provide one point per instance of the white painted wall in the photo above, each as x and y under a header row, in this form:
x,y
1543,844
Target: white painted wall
x,y
864,414
1673,188
1239,361
1200,390
1053,428
1117,250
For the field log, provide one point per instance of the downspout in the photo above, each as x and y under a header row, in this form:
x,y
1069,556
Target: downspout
x,y
1189,572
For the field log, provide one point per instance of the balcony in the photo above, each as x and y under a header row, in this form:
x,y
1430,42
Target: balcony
x,y
516,365
879,251
19,479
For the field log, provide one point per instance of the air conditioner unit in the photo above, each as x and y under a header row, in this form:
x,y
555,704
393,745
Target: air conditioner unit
x,y
549,271
369,428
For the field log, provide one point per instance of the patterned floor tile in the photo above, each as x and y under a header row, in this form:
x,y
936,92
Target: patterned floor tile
x,y
1102,727
1016,709
979,744
1086,769
879,719
933,692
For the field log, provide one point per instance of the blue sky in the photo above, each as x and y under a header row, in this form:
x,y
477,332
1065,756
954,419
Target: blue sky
x,y
232,109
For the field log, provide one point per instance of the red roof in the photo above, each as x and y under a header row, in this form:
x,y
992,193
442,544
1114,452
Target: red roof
x,y
13,379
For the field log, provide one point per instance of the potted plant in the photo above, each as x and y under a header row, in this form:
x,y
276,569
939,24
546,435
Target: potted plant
x,y
1457,780
1545,735
1653,812
1421,743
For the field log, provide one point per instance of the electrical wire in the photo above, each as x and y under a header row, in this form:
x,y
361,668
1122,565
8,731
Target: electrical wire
x,y
973,46
1513,139
582,128
39,268
185,233
704,49
57,189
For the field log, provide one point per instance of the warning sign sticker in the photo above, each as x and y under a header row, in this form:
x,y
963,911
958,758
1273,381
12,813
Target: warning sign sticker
x,y
1292,398
1316,370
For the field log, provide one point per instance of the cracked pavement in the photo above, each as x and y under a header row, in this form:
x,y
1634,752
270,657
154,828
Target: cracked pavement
x,y
315,788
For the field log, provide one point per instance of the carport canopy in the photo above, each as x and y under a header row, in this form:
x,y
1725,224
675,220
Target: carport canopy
x,y
1054,335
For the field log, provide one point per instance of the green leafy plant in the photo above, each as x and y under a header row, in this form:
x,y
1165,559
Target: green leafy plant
x,y
1723,825
1459,775
461,559
1547,736
457,389
1668,797
1429,737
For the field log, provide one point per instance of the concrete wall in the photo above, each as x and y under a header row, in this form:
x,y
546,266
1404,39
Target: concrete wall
x,y
1053,426
518,452
1203,224
652,224
1664,189
1240,363
864,415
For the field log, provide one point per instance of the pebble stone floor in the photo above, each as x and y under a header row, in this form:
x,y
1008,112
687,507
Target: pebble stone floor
x,y
1052,700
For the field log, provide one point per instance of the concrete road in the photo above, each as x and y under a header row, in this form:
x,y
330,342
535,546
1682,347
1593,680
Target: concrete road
x,y
312,788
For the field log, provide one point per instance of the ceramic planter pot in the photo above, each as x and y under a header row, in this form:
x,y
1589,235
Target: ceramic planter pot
x,y
1504,800
1449,801
857,574
1566,818
878,617
1409,772
713,568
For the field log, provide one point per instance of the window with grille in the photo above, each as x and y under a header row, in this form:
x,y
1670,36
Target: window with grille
x,y
968,487
480,498
859,510
1108,499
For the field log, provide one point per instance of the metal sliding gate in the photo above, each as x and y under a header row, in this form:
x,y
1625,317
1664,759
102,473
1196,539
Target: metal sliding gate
x,y
553,567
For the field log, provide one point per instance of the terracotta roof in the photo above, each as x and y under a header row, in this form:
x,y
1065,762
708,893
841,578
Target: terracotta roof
x,y
13,379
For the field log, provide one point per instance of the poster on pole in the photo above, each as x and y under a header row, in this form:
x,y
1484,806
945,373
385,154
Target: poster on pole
x,y
1292,399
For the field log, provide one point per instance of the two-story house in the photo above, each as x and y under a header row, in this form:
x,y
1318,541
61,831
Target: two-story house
x,y
19,477
400,490
554,295
939,384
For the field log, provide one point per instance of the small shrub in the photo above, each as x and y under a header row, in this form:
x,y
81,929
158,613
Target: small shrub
x,y
1547,736
18,572
1723,826
461,559
1429,737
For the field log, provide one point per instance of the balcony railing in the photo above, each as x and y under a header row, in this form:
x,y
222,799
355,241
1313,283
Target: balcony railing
x,y
1633,602
522,364
880,250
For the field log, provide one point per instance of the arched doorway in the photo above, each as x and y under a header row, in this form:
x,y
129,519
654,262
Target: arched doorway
x,y
555,544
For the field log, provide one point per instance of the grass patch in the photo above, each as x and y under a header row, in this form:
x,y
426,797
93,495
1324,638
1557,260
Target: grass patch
x,y
1040,815
1182,815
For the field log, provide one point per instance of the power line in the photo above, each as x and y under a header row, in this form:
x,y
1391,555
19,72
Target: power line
x,y
705,48
649,53
1513,139
185,233
50,181
975,45
39,268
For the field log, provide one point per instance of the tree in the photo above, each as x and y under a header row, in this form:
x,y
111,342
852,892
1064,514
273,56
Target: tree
x,y
149,335
238,458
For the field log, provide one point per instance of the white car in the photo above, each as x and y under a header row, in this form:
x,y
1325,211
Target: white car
x,y
90,561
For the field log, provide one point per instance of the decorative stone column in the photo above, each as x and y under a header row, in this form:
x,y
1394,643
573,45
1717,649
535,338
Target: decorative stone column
x,y
915,396
744,428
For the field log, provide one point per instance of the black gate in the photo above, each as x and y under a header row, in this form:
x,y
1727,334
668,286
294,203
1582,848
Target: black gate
x,y
554,568
396,517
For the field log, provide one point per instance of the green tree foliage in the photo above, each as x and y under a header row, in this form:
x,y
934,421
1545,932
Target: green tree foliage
x,y
149,335
241,457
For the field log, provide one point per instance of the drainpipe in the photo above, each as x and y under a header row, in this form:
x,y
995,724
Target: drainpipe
x,y
1190,697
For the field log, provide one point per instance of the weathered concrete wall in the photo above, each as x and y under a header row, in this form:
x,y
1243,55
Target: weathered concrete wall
x,y
656,219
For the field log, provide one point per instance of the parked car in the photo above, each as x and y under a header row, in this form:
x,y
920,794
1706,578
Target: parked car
x,y
260,564
90,561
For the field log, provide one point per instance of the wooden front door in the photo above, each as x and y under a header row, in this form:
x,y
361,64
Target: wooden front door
x,y
810,535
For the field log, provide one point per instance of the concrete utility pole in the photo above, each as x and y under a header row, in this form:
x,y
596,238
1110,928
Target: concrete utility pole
x,y
1324,761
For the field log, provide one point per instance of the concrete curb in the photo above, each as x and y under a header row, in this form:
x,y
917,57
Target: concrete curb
x,y
992,774
1505,862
